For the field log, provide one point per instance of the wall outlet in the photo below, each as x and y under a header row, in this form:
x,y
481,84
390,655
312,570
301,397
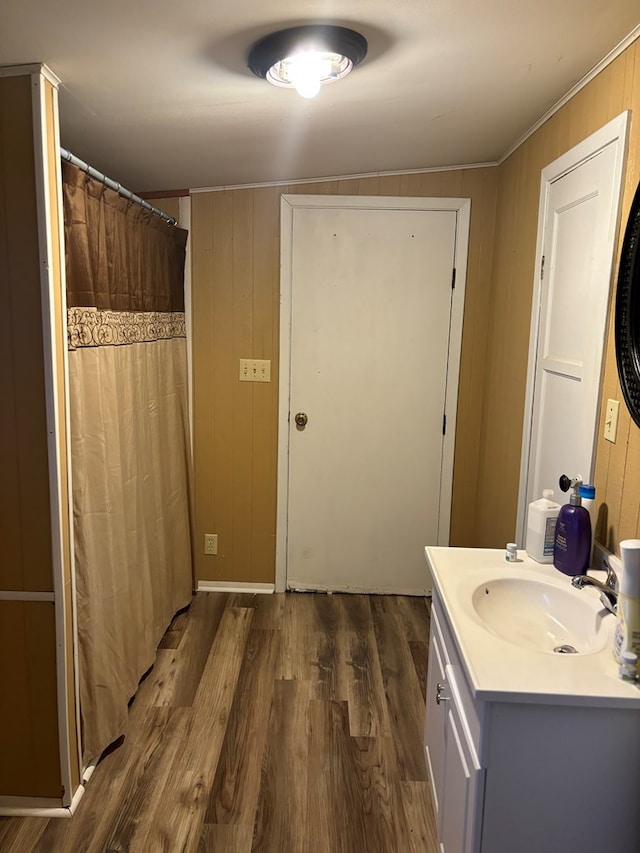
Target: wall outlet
x,y
211,544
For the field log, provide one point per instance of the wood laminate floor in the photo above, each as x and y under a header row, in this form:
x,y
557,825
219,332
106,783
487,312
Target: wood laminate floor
x,y
272,723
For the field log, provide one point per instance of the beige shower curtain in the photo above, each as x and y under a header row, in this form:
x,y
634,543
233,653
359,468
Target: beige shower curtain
x,y
129,442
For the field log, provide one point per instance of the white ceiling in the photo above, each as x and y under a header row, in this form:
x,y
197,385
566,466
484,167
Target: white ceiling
x,y
156,93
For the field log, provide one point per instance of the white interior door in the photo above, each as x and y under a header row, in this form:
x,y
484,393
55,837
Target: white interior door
x,y
579,209
370,319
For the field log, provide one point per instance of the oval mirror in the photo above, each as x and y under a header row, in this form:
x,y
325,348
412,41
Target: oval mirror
x,y
627,318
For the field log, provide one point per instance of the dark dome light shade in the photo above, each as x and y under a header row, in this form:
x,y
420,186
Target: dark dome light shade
x,y
332,51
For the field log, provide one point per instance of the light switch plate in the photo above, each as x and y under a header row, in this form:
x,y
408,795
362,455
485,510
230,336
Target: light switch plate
x,y
255,370
611,421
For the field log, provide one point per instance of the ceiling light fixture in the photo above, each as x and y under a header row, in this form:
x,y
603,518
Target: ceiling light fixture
x,y
305,58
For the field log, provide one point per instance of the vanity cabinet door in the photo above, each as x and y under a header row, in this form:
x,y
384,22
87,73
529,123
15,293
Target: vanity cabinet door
x,y
451,719
453,825
435,718
460,816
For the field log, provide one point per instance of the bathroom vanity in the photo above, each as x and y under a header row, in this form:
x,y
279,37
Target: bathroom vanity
x,y
527,749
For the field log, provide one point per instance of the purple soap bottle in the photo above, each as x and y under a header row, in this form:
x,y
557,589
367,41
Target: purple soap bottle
x,y
572,546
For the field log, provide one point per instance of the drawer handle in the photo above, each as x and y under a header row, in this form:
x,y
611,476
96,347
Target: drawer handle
x,y
440,697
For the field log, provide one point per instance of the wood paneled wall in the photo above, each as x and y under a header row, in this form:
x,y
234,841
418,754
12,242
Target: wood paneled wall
x,y
25,530
30,763
167,204
235,238
617,477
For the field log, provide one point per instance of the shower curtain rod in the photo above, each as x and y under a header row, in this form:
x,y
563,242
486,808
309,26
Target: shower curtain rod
x,y
114,185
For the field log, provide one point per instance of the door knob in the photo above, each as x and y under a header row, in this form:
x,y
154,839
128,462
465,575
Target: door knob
x,y
301,420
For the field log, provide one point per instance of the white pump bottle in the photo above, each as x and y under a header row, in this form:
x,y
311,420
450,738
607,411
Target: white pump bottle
x,y
541,527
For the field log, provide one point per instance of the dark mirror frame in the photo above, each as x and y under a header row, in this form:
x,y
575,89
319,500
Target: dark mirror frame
x,y
627,317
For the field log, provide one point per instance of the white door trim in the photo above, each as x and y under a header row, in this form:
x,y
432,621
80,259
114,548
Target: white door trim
x,y
462,207
613,133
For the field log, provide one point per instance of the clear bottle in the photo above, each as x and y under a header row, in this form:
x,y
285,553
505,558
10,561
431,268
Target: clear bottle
x,y
542,516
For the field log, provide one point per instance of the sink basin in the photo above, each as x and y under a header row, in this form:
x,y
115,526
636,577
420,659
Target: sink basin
x,y
540,616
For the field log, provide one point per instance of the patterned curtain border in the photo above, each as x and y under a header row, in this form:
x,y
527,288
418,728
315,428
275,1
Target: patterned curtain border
x,y
93,327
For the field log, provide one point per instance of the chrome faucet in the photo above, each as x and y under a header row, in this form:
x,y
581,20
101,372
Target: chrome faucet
x,y
608,589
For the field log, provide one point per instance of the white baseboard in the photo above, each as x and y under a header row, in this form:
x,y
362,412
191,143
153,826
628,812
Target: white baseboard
x,y
39,806
235,586
296,586
44,806
87,773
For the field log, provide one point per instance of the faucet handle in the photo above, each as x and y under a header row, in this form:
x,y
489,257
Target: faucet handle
x,y
612,578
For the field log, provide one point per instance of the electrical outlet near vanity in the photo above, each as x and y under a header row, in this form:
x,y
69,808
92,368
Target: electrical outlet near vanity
x,y
526,750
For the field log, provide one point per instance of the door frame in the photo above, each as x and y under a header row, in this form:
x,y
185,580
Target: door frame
x,y
288,204
612,133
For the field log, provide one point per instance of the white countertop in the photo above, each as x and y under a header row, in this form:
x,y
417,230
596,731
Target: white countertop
x,y
499,670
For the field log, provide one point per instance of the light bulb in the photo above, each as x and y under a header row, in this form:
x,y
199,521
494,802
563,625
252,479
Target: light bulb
x,y
308,88
306,73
